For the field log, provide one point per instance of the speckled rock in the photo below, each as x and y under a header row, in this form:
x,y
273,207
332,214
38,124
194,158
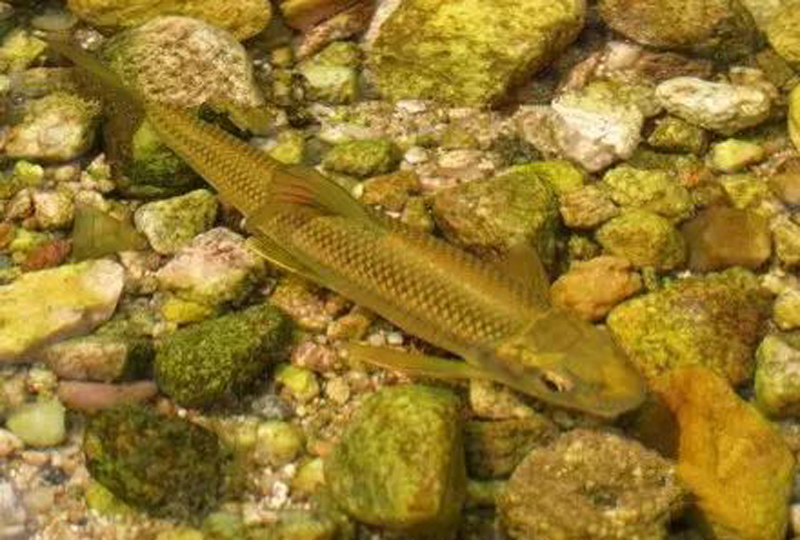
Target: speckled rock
x,y
735,463
58,127
777,379
495,448
653,190
469,53
785,184
52,210
215,268
375,474
172,223
591,289
786,234
39,424
132,452
644,238
733,155
596,126
587,207
723,28
589,484
491,216
243,18
676,135
783,34
390,191
744,190
715,321
786,311
720,237
562,175
721,107
363,158
42,307
214,360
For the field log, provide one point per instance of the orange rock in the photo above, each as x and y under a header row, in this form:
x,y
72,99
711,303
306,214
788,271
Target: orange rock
x,y
734,461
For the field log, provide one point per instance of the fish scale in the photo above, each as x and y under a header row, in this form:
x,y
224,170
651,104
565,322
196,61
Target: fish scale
x,y
441,307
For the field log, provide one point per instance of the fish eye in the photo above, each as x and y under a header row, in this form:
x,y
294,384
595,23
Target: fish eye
x,y
555,383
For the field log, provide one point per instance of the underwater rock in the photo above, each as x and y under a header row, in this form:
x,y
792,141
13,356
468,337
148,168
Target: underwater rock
x,y
563,176
277,443
363,158
783,33
644,238
243,18
734,462
52,210
332,74
676,135
744,190
172,223
786,234
720,237
777,378
304,14
715,320
298,525
58,127
794,116
599,125
587,207
40,424
166,466
721,107
653,190
20,49
215,268
467,53
45,306
495,448
93,396
215,359
786,184
589,484
720,28
516,207
786,311
592,288
400,462
733,155
391,191
300,384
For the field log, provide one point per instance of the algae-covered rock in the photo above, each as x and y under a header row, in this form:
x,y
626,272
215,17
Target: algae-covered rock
x,y
722,28
786,234
468,52
587,207
653,190
277,443
391,191
786,310
58,127
400,462
794,116
592,288
45,306
299,383
715,321
20,48
676,135
304,14
331,76
734,155
363,158
243,18
589,484
298,525
644,238
39,424
52,210
720,237
517,206
172,223
777,379
210,361
783,33
721,107
215,268
562,175
164,465
734,462
495,448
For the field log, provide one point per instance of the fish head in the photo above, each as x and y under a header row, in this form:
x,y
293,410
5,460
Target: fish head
x,y
571,363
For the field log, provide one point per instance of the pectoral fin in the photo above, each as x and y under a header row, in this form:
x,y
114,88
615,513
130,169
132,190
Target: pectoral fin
x,y
278,256
415,364
523,263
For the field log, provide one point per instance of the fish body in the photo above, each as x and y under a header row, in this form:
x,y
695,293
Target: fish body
x,y
498,320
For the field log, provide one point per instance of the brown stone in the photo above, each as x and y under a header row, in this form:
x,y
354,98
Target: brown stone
x,y
720,237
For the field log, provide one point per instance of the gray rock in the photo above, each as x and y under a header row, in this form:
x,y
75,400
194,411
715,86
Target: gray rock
x,y
45,306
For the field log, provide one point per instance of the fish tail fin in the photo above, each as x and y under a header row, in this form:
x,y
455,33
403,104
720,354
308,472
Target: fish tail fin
x,y
305,187
111,85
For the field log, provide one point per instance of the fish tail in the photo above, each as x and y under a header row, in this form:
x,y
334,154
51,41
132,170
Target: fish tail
x,y
99,72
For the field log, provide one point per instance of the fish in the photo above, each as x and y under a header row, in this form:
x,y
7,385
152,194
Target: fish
x,y
96,234
496,316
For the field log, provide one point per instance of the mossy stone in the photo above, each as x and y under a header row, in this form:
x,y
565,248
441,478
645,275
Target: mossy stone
x,y
644,238
777,378
363,158
648,189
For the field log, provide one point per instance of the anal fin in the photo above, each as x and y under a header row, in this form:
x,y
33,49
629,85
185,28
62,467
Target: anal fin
x,y
415,364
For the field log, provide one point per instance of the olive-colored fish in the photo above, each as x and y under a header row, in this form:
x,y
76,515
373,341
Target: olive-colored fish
x,y
496,317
